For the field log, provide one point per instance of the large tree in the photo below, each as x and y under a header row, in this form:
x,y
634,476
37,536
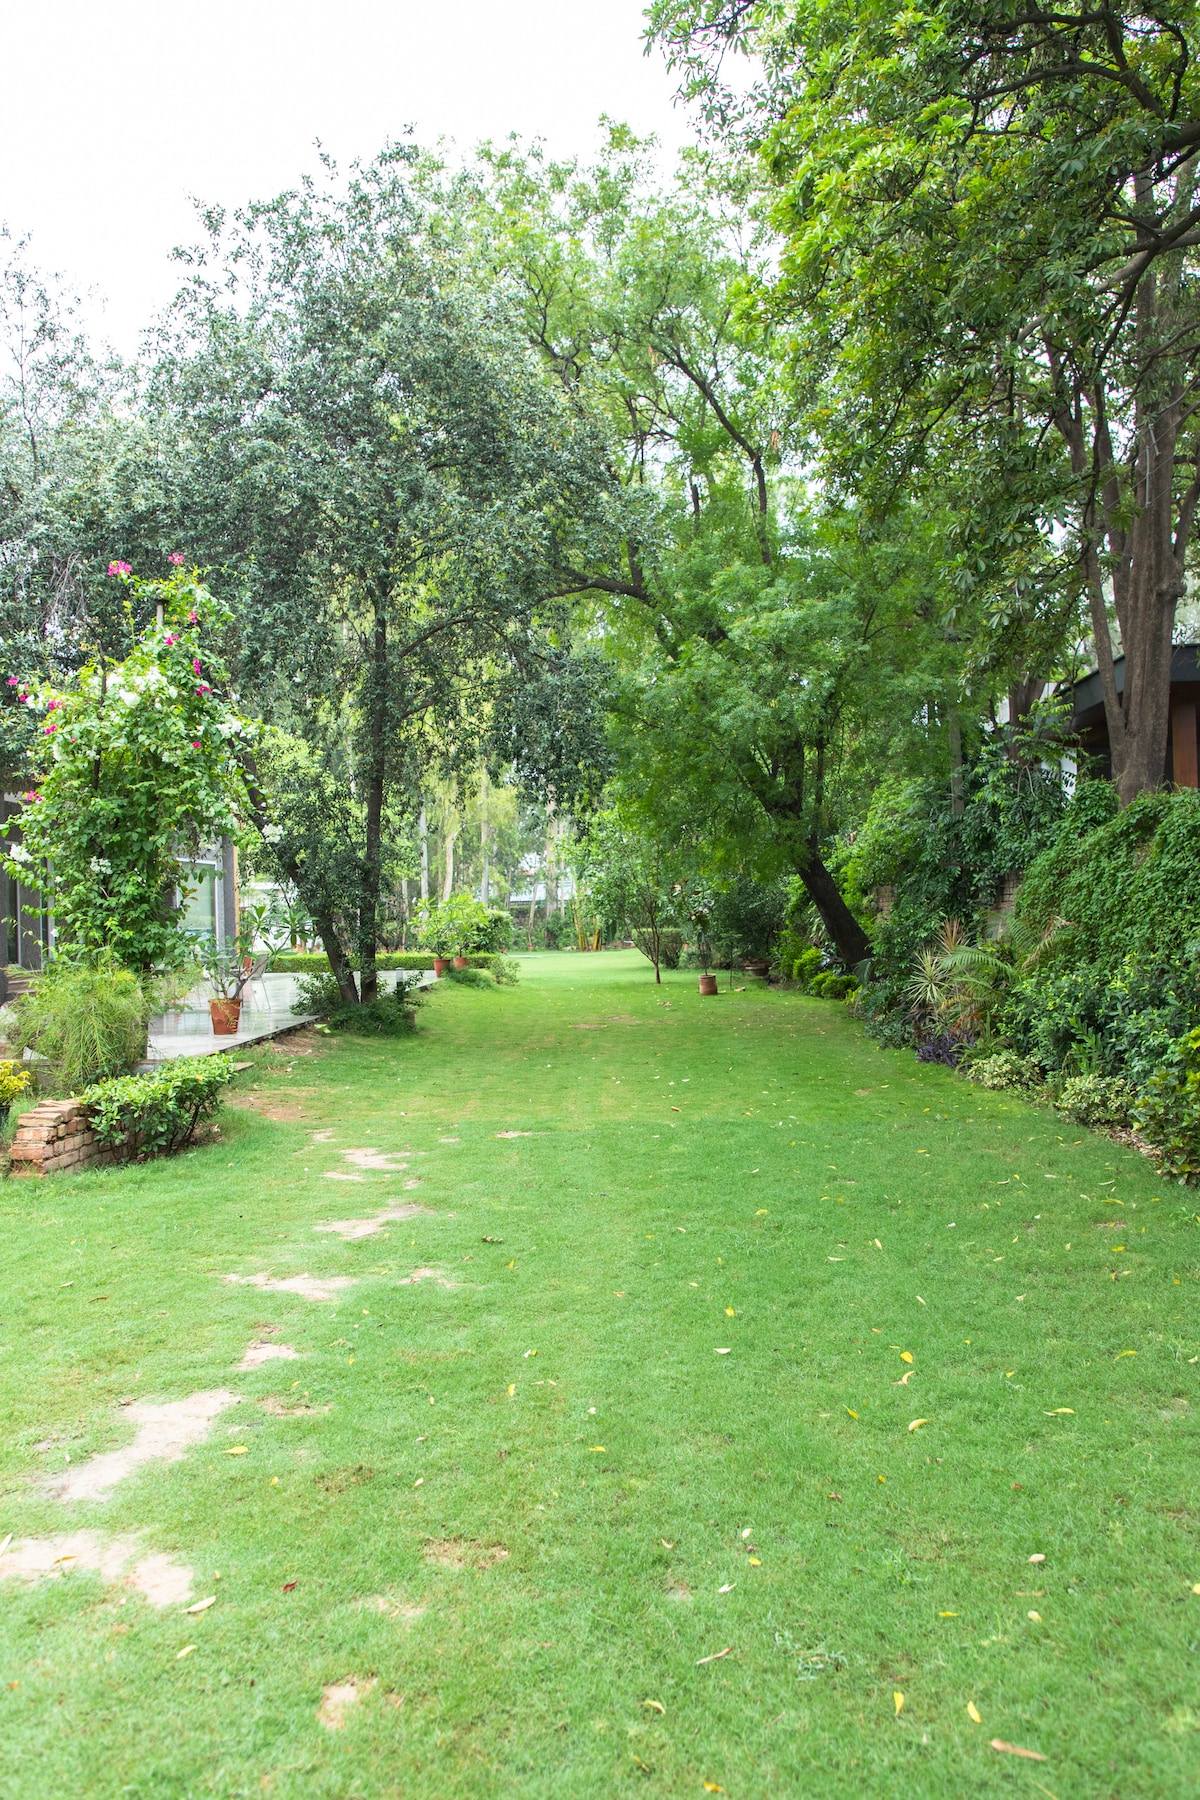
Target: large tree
x,y
361,442
990,221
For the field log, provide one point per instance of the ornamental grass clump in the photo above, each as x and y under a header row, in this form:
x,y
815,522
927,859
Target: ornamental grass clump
x,y
88,1020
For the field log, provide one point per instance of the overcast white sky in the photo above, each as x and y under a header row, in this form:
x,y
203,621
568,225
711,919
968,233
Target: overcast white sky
x,y
116,111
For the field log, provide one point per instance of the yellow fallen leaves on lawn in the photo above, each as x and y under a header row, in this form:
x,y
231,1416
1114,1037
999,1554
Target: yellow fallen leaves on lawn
x,y
657,1705
917,1424
898,1702
906,1356
238,1450
973,1713
203,1605
1016,1750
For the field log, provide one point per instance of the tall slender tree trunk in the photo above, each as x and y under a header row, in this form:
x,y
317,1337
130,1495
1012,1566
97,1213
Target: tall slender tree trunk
x,y
956,763
375,776
485,887
448,872
423,833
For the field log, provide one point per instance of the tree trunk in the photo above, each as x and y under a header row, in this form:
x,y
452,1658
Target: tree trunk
x,y
375,775
956,764
339,962
485,885
846,934
423,832
448,873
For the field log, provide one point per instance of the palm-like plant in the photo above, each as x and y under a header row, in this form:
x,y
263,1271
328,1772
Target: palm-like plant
x,y
958,986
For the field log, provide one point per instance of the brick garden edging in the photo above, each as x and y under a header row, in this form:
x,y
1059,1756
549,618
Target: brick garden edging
x,y
55,1136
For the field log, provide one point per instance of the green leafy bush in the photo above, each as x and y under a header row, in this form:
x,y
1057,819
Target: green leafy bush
x,y
832,986
391,1014
477,978
14,1081
1097,1100
1005,1069
807,966
88,1019
1168,1110
506,971
155,1114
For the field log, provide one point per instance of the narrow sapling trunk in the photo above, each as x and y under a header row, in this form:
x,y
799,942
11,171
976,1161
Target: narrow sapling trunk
x,y
375,775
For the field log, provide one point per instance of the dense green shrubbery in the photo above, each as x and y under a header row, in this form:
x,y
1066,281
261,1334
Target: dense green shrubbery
x,y
1167,1112
315,962
1097,1100
154,1114
391,1014
87,1019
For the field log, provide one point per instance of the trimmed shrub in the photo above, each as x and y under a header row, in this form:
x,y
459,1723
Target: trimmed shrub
x,y
831,986
807,967
156,1114
315,962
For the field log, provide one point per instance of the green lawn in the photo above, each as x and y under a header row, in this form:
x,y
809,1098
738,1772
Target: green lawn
x,y
528,1502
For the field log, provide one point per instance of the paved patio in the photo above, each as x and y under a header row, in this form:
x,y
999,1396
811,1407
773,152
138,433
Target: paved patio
x,y
269,1006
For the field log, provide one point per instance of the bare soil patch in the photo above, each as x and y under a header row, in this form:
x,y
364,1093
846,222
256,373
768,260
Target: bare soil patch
x,y
463,1553
353,1229
258,1353
165,1433
394,1606
438,1275
339,1696
278,1410
159,1579
309,1287
375,1159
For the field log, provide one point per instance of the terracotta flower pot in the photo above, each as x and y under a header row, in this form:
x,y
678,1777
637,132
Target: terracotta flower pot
x,y
460,962
439,966
708,984
224,1015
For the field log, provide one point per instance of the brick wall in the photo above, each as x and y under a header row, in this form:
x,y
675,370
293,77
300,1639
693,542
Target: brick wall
x,y
54,1137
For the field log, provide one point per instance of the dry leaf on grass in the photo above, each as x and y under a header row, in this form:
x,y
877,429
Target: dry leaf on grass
x,y
898,1702
917,1424
657,1705
1016,1750
715,1657
973,1712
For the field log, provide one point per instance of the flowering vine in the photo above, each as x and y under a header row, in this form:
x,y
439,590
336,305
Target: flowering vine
x,y
136,769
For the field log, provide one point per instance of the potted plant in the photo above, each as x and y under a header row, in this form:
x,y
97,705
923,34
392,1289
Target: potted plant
x,y
435,931
708,981
229,968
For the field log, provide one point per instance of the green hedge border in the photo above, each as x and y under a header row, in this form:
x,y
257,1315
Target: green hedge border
x,y
315,962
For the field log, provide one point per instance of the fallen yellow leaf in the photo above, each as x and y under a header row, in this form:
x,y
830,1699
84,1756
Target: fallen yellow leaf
x,y
973,1712
656,1704
729,1313
755,1562
906,1356
712,1787
904,1379
898,1700
512,1388
186,1651
947,1615
1035,1616
1121,1353
237,1450
852,1412
1053,1412
203,1605
598,1450
917,1424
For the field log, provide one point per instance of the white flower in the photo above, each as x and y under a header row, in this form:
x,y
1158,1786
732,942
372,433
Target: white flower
x,y
100,865
19,853
272,833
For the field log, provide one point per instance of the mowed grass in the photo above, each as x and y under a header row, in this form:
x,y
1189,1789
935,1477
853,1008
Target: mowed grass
x,y
747,1175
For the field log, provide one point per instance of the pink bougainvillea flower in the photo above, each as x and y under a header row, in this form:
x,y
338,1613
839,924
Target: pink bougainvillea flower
x,y
119,568
170,639
195,743
49,728
13,682
175,559
53,705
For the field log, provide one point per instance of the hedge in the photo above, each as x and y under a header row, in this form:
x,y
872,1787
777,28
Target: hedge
x,y
150,1115
315,962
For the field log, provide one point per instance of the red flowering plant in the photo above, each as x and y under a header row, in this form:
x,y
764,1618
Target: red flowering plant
x,y
135,768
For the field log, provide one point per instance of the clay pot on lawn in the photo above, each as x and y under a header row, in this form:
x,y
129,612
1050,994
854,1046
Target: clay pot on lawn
x,y
439,966
460,962
708,984
225,1015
